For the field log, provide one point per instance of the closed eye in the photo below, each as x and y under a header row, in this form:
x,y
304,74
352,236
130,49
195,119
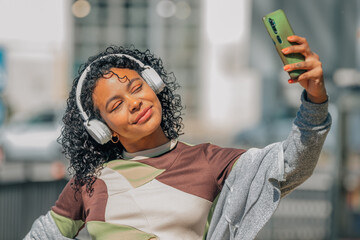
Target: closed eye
x,y
136,88
116,106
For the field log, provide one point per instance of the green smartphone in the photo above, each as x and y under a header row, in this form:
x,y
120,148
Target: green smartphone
x,y
279,29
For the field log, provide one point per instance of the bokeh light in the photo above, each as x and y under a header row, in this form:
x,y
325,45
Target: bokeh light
x,y
166,9
81,8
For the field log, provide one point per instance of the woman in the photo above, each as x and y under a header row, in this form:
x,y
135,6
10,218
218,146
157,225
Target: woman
x,y
134,180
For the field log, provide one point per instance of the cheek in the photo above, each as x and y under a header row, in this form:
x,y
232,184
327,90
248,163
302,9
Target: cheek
x,y
159,107
116,122
152,97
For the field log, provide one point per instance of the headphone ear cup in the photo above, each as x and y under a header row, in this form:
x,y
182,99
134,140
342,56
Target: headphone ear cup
x,y
153,79
98,130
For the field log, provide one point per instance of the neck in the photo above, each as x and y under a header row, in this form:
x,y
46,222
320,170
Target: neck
x,y
154,140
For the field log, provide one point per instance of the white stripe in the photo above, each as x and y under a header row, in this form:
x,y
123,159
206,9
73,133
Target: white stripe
x,y
160,209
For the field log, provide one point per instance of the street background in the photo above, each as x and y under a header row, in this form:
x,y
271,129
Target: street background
x,y
233,87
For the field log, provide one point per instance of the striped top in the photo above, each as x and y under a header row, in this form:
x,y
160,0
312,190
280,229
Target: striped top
x,y
161,193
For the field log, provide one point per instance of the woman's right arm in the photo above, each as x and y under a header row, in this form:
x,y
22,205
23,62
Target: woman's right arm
x,y
45,228
63,221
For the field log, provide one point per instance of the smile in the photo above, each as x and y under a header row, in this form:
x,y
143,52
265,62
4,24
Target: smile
x,y
143,116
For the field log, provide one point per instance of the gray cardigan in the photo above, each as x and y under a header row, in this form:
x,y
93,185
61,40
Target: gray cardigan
x,y
261,177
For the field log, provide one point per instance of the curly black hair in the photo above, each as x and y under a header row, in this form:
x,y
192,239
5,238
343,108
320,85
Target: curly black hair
x,y
85,154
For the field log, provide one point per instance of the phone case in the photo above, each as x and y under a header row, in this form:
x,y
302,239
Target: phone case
x,y
279,29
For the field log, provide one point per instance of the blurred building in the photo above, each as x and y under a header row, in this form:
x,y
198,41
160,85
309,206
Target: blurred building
x,y
35,37
171,30
207,55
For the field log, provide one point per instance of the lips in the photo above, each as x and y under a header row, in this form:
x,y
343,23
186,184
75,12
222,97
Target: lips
x,y
143,116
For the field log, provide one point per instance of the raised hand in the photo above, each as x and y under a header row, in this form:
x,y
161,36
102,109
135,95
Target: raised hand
x,y
312,80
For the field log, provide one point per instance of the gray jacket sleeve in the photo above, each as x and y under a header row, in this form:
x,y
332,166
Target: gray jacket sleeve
x,y
44,228
261,177
303,146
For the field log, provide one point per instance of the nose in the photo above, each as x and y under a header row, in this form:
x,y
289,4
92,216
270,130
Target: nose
x,y
134,103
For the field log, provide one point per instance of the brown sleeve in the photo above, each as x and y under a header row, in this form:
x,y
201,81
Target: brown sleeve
x,y
70,203
221,161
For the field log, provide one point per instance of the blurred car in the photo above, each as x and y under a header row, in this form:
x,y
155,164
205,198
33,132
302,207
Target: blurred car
x,y
34,138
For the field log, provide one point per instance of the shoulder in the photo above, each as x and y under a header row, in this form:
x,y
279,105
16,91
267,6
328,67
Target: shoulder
x,y
210,151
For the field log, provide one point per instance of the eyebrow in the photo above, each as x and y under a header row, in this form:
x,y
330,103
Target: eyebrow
x,y
116,96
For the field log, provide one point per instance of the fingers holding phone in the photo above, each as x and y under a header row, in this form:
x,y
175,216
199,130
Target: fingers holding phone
x,y
299,61
301,46
312,80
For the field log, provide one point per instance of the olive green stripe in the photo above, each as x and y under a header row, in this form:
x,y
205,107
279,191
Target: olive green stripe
x,y
107,231
211,213
67,226
126,164
136,173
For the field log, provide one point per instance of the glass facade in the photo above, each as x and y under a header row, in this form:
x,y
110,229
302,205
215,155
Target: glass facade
x,y
169,29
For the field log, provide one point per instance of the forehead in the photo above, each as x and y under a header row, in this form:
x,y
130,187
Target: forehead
x,y
115,79
112,84
121,74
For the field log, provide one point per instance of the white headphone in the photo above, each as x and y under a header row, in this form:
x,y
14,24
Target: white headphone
x,y
97,129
